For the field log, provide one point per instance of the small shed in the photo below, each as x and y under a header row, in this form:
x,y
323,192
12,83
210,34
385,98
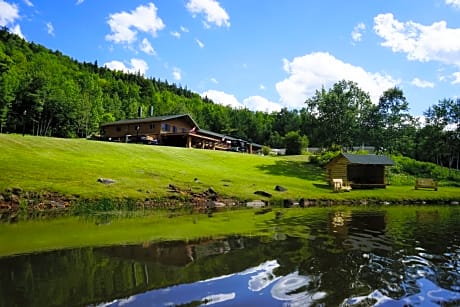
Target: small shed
x,y
359,171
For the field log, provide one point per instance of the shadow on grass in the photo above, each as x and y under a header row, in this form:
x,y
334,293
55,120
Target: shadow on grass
x,y
322,186
298,169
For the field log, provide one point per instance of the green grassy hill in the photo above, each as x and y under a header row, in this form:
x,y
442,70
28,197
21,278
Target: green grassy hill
x,y
73,166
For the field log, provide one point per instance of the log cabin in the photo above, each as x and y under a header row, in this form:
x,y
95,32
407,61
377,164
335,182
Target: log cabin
x,y
359,171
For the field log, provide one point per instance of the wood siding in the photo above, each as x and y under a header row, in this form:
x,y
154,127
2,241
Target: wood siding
x,y
337,169
152,129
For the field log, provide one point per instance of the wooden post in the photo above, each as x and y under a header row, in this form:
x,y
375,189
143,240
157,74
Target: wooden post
x,y
189,141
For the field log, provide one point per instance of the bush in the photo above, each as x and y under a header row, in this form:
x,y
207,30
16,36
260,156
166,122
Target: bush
x,y
405,165
266,150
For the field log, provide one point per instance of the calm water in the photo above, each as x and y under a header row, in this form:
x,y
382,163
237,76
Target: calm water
x,y
395,256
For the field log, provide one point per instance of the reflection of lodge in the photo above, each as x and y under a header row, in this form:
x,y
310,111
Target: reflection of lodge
x,y
176,254
172,130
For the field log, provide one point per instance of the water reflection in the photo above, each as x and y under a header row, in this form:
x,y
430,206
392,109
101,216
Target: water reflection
x,y
323,257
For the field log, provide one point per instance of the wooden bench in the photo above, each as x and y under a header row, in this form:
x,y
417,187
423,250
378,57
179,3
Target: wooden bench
x,y
426,183
339,186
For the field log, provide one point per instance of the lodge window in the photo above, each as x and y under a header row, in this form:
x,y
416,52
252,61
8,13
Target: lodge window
x,y
165,127
184,130
152,126
174,129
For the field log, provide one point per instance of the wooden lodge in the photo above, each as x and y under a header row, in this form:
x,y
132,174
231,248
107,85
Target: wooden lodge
x,y
359,171
172,130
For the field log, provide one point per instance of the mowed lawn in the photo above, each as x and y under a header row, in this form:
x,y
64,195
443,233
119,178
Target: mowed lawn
x,y
72,167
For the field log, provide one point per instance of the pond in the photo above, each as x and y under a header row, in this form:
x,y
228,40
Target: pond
x,y
384,256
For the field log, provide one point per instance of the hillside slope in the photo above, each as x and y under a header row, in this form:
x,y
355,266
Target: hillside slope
x,y
73,167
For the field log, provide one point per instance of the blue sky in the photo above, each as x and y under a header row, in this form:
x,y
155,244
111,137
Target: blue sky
x,y
263,55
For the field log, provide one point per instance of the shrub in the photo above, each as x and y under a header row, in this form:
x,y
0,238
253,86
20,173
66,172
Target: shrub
x,y
266,150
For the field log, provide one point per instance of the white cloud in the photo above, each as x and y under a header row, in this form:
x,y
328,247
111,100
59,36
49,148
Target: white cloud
x,y
254,103
50,28
178,34
358,31
17,30
262,87
137,65
28,3
422,83
456,76
423,43
200,43
259,103
124,26
310,72
146,47
212,10
454,3
214,80
8,13
223,98
80,2
177,74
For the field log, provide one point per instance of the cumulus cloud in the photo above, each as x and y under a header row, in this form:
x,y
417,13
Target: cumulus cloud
x,y
177,74
199,43
310,72
422,83
80,2
214,13
358,31
259,103
254,103
16,29
456,76
125,26
223,98
146,47
214,80
434,42
28,3
8,13
50,28
454,3
137,65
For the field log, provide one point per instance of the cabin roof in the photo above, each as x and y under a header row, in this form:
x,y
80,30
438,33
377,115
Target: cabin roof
x,y
368,159
151,119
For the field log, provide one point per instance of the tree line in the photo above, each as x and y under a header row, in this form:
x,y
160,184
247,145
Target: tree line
x,y
43,92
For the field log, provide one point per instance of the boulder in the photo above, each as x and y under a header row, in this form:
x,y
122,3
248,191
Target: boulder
x,y
280,188
255,204
106,180
263,193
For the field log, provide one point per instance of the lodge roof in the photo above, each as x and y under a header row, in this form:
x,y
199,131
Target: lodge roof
x,y
368,159
150,120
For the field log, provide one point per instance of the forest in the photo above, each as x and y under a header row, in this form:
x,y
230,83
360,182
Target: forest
x,y
46,93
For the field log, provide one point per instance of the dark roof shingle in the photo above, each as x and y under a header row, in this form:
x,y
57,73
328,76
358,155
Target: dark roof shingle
x,y
368,159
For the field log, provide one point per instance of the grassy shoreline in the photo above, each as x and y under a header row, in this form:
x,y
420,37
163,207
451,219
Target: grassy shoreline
x,y
71,167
